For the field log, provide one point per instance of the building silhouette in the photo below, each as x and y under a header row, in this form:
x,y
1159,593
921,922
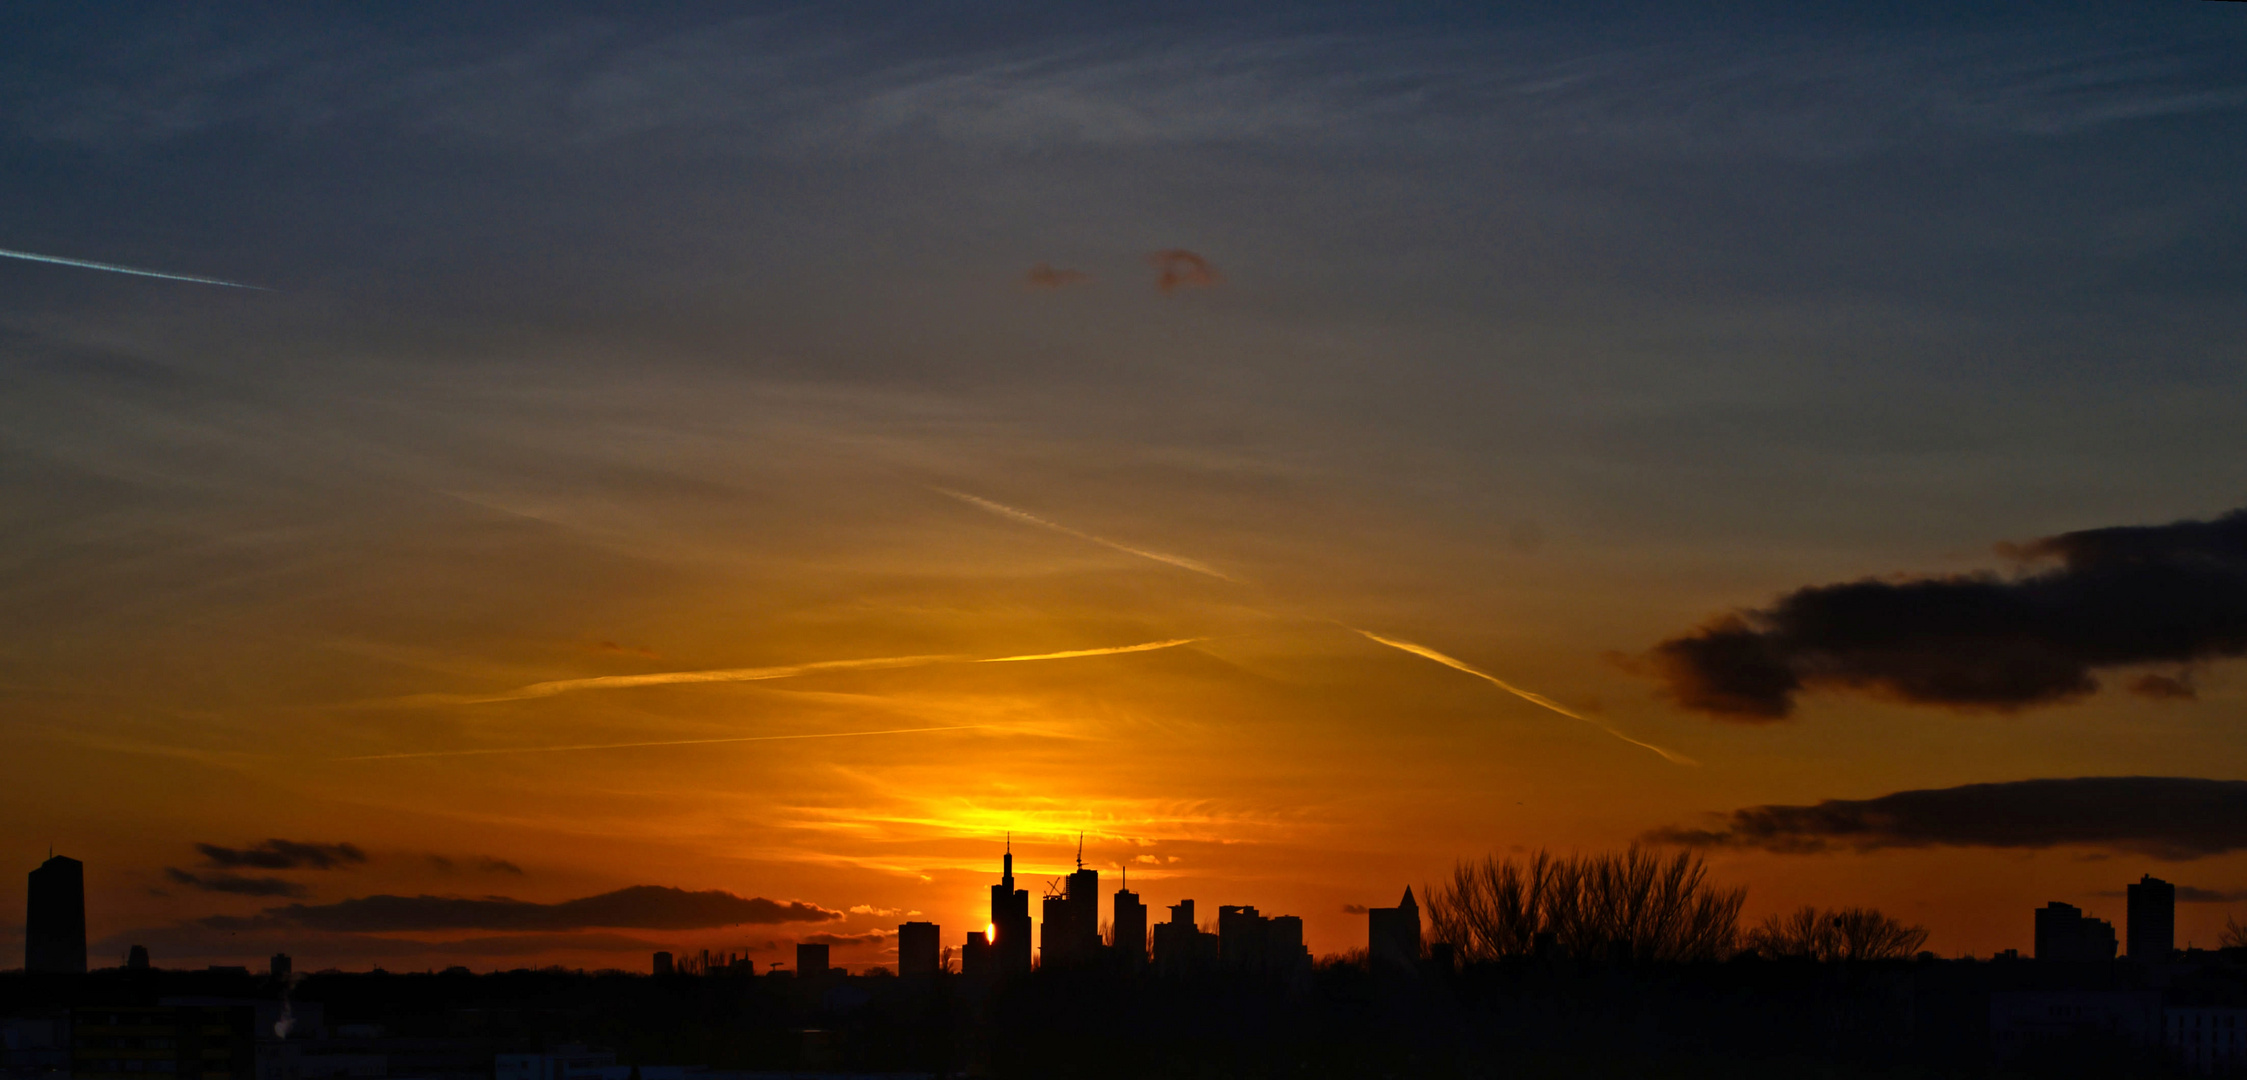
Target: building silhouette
x,y
811,961
1392,934
1071,934
281,967
136,958
2064,933
1180,946
1129,928
664,965
2152,919
54,929
917,949
976,961
1009,935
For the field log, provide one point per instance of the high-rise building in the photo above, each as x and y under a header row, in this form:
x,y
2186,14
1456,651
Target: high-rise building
x,y
1180,946
2064,933
54,929
975,956
1130,928
811,961
664,966
136,958
1010,921
1392,935
917,949
281,967
1071,933
2152,919
1240,937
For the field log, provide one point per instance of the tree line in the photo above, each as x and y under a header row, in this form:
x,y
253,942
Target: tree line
x,y
1641,906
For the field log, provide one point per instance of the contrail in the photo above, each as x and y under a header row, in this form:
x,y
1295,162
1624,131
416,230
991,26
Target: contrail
x,y
1111,651
666,742
666,678
116,269
1532,697
1003,510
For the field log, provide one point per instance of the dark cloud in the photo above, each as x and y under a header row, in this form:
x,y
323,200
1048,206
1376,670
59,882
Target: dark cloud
x,y
2166,817
1353,909
282,855
485,864
2172,594
2165,687
1045,276
871,937
1178,268
642,907
235,883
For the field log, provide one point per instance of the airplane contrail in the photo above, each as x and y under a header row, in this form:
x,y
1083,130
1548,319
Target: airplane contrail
x,y
665,742
1114,650
116,269
1532,697
1003,510
758,674
1422,651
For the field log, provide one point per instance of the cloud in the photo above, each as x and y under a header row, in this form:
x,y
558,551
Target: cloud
x,y
484,864
2165,817
2177,687
236,884
282,855
627,650
2120,596
640,907
1045,276
1353,909
1177,268
870,937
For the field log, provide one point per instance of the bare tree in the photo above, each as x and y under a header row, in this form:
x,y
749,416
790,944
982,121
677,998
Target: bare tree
x,y
2234,935
1635,905
1845,934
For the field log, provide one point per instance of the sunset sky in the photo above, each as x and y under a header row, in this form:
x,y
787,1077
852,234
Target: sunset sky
x,y
652,421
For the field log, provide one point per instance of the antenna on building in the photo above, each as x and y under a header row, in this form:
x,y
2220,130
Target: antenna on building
x,y
1080,849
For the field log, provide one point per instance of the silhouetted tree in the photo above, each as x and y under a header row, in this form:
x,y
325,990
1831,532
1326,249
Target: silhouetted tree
x,y
1636,905
2233,936
1846,934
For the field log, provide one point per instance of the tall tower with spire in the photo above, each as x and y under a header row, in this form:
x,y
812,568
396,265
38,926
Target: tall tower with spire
x,y
1130,927
1010,919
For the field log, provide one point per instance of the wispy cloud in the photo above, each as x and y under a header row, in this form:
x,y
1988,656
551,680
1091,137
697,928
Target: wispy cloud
x,y
1116,650
1532,697
86,264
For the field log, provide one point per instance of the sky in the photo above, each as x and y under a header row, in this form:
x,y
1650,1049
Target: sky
x,y
702,476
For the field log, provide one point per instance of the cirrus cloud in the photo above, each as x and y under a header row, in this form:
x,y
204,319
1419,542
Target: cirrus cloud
x,y
641,907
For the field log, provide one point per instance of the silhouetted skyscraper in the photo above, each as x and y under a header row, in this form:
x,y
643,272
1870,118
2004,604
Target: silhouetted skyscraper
x,y
281,966
54,928
1392,935
664,965
811,961
975,956
917,949
136,958
2064,933
2152,921
1240,937
1130,928
1010,920
1072,920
